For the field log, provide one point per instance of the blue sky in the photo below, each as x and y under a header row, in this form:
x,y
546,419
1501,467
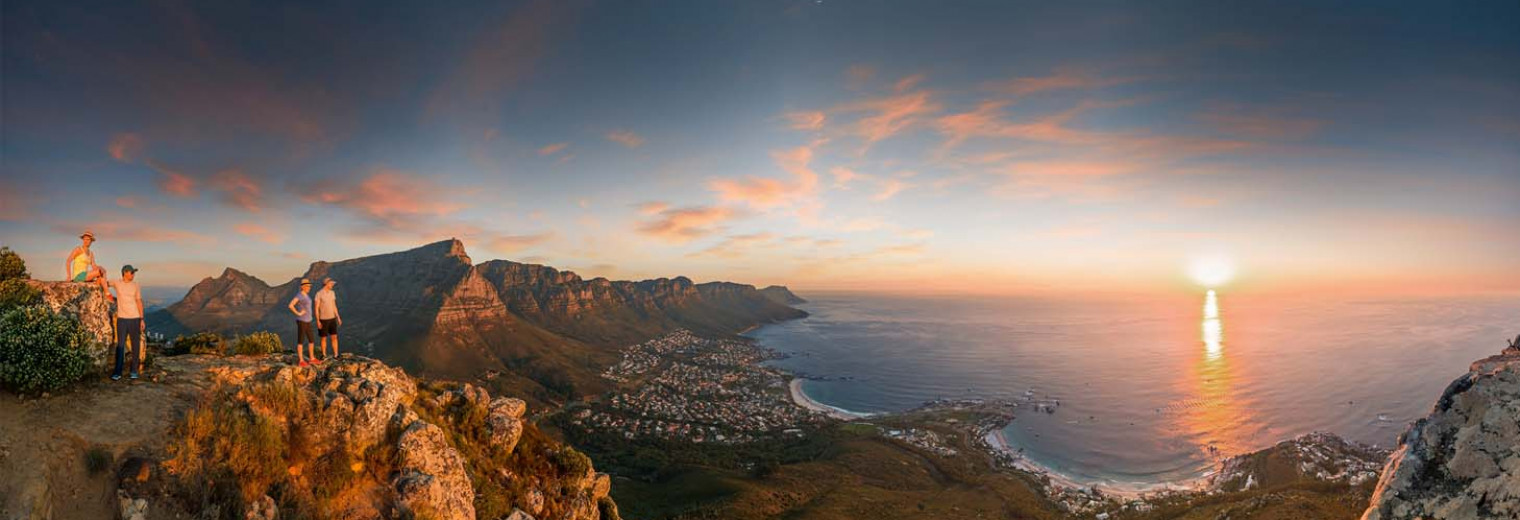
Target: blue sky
x,y
948,146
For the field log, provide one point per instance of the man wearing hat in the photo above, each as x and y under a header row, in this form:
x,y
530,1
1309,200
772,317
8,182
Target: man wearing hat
x,y
328,318
129,321
301,307
80,264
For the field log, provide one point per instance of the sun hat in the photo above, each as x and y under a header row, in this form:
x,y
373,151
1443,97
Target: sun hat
x,y
128,269
305,281
87,233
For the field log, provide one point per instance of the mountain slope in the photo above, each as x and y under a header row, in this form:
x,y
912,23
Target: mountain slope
x,y
541,331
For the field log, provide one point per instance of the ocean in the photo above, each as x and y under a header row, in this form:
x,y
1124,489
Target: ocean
x,y
1145,393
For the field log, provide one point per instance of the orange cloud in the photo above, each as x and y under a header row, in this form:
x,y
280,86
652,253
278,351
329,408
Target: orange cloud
x,y
843,176
684,224
765,193
122,228
128,202
906,84
652,208
173,182
625,138
259,232
889,115
125,147
387,196
240,190
805,120
1064,78
13,206
889,189
552,149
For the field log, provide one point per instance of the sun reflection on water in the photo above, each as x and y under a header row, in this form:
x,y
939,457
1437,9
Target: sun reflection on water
x,y
1213,329
1215,413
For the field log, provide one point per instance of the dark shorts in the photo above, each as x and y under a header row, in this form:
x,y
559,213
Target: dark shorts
x,y
303,332
327,328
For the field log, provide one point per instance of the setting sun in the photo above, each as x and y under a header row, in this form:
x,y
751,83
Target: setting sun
x,y
1211,271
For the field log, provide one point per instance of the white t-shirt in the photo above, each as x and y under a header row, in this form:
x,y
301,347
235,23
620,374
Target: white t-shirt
x,y
127,294
327,304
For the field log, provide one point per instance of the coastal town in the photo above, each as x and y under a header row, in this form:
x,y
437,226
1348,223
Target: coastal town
x,y
685,387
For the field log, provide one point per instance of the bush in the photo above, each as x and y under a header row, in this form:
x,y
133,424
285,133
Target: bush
x,y
15,292
257,344
97,459
198,343
11,265
41,351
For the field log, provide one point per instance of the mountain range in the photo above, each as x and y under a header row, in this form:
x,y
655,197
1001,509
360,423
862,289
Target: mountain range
x,y
527,328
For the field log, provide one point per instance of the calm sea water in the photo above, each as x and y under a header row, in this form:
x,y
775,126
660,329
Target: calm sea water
x,y
1150,391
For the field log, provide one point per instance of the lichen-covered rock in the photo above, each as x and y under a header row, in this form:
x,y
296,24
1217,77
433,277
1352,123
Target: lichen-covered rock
x,y
432,477
262,509
505,423
1462,461
87,303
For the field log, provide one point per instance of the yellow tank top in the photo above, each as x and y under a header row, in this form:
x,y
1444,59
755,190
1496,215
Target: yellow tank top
x,y
81,264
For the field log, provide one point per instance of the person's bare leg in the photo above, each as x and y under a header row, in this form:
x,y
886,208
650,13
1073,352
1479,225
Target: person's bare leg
x,y
335,346
324,347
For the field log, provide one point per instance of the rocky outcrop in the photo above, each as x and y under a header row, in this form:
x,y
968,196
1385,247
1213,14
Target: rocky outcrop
x,y
1317,456
780,294
87,303
1463,460
412,449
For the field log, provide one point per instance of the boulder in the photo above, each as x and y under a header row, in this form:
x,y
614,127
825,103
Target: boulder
x,y
87,303
1463,460
431,476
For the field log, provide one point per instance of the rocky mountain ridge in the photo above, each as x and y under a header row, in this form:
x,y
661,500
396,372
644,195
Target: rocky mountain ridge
x,y
432,309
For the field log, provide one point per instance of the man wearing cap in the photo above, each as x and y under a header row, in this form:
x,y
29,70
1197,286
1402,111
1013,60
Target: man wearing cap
x,y
80,264
301,307
129,321
328,318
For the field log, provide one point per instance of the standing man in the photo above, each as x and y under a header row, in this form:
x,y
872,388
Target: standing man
x,y
80,265
328,318
301,307
129,321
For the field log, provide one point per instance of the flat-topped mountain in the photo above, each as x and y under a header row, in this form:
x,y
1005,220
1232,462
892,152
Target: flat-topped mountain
x,y
431,309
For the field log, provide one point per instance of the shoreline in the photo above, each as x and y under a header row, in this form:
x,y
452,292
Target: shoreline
x,y
800,398
997,442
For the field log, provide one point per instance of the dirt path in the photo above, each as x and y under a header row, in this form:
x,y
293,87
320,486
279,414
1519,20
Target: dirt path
x,y
44,441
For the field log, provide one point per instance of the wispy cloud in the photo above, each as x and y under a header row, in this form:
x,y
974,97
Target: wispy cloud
x,y
498,61
889,189
387,197
508,244
767,193
806,120
735,246
259,232
126,147
239,190
653,207
552,148
843,176
685,224
625,138
1259,123
116,227
1064,78
858,75
174,182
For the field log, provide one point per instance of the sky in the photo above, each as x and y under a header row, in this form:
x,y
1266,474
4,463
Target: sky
x,y
1000,147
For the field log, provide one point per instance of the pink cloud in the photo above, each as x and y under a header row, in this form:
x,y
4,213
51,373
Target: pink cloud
x,y
735,246
906,84
652,208
125,147
552,149
13,206
857,75
889,115
806,120
889,189
765,193
122,228
1064,78
173,182
259,232
239,190
684,224
386,196
507,244
843,176
128,202
625,138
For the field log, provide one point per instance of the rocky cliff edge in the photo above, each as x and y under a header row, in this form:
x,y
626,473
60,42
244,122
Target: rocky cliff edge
x,y
1463,460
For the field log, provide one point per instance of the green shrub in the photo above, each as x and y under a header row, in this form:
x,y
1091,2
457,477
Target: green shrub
x,y
257,344
572,462
11,265
198,343
15,292
41,351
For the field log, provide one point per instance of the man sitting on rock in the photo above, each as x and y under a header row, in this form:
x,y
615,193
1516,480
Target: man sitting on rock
x,y
80,265
129,321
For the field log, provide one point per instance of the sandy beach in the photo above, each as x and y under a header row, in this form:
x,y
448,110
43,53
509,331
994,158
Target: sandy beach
x,y
801,398
997,441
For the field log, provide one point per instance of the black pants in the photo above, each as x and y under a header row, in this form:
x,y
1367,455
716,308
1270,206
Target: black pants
x,y
128,330
303,332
